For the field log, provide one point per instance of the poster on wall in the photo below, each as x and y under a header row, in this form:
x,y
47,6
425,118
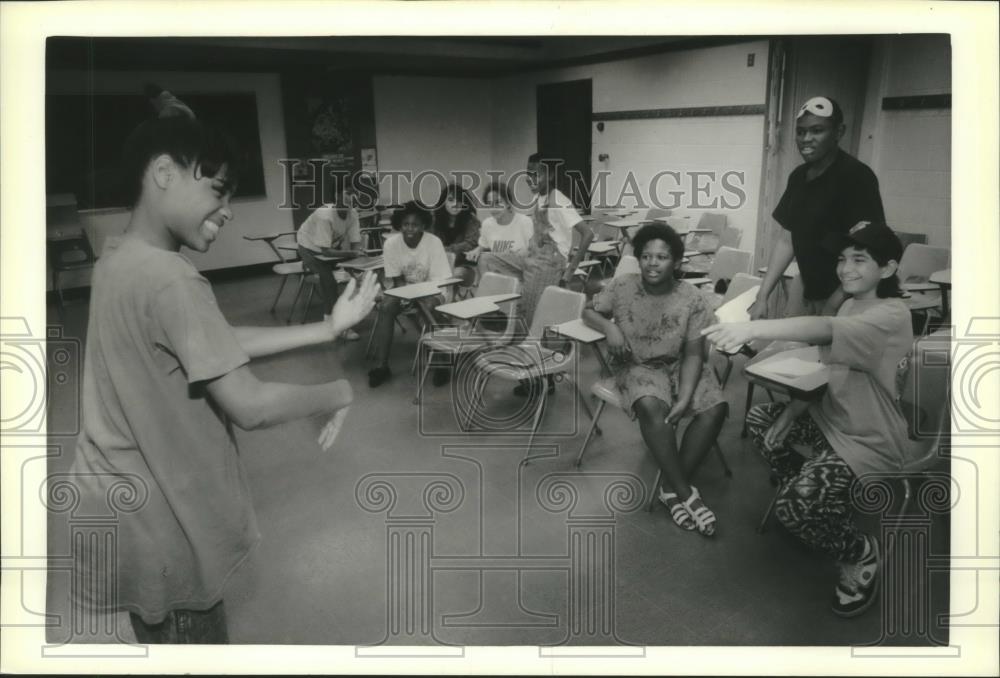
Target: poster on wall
x,y
330,135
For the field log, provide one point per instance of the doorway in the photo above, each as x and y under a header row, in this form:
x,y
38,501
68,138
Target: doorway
x,y
564,113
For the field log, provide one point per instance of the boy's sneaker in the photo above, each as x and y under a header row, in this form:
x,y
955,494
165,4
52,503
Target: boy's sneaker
x,y
858,584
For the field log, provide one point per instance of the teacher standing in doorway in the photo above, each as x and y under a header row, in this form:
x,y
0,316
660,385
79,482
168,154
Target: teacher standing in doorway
x,y
829,193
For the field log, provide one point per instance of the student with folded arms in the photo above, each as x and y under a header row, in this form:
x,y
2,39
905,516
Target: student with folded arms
x,y
857,427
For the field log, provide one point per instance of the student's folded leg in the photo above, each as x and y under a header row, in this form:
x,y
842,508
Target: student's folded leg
x,y
324,272
388,310
191,627
784,461
816,508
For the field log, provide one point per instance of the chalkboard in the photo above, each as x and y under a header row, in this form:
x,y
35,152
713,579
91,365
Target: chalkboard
x,y
85,134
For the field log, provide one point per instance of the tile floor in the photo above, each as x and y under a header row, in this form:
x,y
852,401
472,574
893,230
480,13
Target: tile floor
x,y
565,567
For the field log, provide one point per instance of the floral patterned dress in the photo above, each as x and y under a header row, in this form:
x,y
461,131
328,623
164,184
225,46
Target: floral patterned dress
x,y
656,327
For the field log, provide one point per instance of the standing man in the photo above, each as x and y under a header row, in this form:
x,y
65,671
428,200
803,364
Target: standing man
x,y
829,193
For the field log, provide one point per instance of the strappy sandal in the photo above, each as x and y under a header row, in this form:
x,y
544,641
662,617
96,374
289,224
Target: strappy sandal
x,y
679,514
703,517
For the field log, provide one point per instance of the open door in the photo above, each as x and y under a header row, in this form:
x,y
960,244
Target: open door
x,y
564,113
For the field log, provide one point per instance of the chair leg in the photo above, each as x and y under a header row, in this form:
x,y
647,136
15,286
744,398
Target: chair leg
x,y
535,424
743,433
655,490
277,296
590,432
726,372
479,385
583,401
309,300
722,459
413,365
762,527
423,374
295,300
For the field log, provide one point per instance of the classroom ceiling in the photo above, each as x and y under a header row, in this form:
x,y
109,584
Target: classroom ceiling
x,y
484,56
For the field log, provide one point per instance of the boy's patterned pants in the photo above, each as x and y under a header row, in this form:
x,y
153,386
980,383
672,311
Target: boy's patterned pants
x,y
814,502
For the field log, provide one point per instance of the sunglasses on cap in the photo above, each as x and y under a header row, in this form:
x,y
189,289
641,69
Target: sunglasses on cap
x,y
818,106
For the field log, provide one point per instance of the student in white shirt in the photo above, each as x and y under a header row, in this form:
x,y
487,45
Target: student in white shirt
x,y
331,231
504,231
411,256
857,429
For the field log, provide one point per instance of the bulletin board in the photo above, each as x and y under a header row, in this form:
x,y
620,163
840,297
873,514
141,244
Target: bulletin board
x,y
85,136
329,121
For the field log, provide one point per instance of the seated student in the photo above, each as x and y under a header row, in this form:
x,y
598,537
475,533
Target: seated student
x,y
333,231
165,378
657,357
506,230
858,426
411,256
456,224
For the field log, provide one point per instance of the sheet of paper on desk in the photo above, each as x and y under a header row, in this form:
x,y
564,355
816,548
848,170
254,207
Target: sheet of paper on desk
x,y
737,310
792,367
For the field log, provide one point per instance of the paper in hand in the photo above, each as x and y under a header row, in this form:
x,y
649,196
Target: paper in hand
x,y
737,310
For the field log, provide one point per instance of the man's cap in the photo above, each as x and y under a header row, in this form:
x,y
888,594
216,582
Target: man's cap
x,y
874,236
820,107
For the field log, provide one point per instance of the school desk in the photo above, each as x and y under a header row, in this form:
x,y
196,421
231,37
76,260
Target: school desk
x,y
475,307
796,372
579,331
365,263
424,290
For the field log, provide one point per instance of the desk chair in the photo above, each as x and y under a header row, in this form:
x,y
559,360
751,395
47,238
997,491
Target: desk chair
x,y
925,405
67,246
740,283
727,263
288,266
915,268
606,393
530,359
457,341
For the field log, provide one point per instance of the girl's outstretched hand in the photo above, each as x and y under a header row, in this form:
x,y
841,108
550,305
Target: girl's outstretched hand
x,y
354,304
332,428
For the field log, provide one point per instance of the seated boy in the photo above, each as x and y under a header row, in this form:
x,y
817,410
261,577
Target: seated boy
x,y
857,428
411,256
331,231
165,378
